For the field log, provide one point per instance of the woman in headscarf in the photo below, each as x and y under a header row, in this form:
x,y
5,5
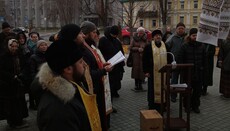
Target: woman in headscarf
x,y
11,87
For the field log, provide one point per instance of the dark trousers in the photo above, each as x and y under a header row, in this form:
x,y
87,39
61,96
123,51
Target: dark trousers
x,y
138,83
174,80
115,83
196,93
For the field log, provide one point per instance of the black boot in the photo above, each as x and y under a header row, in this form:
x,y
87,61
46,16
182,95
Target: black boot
x,y
204,91
140,85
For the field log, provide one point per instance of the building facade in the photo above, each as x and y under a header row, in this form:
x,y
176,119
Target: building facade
x,y
186,11
28,13
145,13
54,13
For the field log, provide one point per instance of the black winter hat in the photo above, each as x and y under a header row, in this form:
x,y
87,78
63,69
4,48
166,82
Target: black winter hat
x,y
69,32
5,25
156,32
180,24
114,30
193,31
61,54
31,33
87,27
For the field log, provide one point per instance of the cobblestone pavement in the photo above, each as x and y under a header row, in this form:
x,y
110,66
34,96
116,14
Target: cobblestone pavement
x,y
214,116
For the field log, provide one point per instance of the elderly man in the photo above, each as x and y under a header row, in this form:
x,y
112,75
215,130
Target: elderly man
x,y
154,57
173,44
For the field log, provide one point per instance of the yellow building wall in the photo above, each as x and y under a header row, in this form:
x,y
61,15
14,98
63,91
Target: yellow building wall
x,y
188,12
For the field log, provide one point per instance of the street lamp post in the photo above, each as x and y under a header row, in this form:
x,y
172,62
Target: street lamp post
x,y
45,23
15,15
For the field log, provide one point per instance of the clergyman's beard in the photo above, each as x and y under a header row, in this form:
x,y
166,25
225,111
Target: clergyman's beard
x,y
77,76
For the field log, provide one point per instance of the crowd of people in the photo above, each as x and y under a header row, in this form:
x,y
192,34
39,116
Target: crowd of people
x,y
67,79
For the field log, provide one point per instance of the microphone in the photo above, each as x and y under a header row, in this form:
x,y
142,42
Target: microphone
x,y
174,61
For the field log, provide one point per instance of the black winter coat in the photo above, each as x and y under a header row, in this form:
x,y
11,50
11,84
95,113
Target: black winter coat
x,y
8,83
61,107
36,60
109,47
12,91
193,52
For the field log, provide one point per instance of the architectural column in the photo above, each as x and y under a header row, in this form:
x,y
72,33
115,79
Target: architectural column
x,y
189,14
23,15
29,13
37,14
44,16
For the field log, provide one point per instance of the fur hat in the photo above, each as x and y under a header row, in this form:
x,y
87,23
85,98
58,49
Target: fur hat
x,y
157,31
114,30
180,24
61,54
193,31
140,29
69,32
40,42
5,25
87,27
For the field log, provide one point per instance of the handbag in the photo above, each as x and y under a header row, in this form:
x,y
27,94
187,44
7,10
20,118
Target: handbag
x,y
129,61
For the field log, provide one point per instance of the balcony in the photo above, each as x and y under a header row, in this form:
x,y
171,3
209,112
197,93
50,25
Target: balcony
x,y
148,14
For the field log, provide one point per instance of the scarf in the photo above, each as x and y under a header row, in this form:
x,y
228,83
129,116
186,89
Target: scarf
x,y
159,60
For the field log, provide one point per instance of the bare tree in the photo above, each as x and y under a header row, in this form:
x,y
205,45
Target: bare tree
x,y
51,12
129,8
100,8
163,8
67,10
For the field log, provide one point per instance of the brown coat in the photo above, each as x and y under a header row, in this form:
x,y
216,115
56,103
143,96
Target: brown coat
x,y
138,42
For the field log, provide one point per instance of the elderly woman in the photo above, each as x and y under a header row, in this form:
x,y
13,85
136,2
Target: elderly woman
x,y
137,47
11,88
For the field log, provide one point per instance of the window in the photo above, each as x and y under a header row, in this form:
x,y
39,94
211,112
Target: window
x,y
182,4
182,19
141,22
169,20
194,20
195,4
169,5
154,23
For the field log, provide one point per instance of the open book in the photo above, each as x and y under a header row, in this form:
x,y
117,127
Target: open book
x,y
119,57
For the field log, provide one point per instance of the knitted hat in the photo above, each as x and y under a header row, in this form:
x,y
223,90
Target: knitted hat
x,y
140,29
69,32
87,27
40,42
180,24
156,32
5,25
61,54
114,30
193,31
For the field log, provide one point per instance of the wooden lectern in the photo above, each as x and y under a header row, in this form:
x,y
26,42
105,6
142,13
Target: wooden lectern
x,y
182,89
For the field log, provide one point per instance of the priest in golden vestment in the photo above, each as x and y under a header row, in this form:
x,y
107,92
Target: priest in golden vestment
x,y
65,104
154,57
